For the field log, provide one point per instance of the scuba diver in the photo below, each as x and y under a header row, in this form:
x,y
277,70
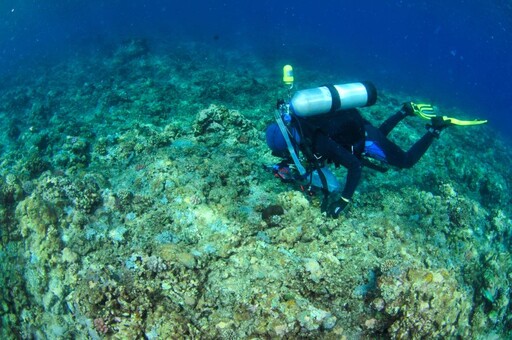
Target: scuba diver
x,y
324,126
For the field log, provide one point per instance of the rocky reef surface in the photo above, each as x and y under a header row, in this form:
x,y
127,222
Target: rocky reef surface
x,y
135,203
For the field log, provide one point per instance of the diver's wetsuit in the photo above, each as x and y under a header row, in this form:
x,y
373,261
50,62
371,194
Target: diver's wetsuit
x,y
344,137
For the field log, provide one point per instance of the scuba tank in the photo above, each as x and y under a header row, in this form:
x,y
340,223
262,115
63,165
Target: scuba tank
x,y
331,98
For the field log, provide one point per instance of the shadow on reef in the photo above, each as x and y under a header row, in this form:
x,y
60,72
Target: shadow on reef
x,y
134,204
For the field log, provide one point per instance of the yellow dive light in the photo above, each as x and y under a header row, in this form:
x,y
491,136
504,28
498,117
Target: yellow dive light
x,y
288,74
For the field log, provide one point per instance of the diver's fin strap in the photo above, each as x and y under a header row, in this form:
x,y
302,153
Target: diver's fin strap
x,y
289,144
426,111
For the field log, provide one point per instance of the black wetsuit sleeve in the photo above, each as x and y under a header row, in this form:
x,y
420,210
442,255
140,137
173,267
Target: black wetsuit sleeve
x,y
339,155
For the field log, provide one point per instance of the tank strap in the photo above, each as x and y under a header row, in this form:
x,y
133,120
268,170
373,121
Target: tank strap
x,y
317,163
336,100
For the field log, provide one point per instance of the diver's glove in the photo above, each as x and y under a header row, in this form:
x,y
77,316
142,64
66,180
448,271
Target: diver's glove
x,y
334,208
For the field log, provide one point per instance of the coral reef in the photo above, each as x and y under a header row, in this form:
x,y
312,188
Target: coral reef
x,y
425,304
135,203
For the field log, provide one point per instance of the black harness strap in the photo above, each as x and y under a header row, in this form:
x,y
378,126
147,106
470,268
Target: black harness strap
x,y
307,150
307,147
336,100
325,186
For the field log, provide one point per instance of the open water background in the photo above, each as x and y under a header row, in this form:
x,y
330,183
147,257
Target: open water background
x,y
450,52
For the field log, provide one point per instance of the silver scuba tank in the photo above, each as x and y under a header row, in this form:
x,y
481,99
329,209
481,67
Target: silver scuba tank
x,y
331,98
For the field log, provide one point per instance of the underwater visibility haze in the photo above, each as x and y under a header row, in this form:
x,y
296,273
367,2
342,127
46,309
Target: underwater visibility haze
x,y
135,196
455,53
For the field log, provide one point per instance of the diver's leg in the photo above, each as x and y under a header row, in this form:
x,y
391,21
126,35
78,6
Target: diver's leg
x,y
397,157
393,154
390,123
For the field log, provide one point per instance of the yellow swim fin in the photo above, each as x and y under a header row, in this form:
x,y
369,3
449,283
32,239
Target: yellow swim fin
x,y
426,111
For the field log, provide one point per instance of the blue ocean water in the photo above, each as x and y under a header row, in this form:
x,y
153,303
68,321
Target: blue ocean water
x,y
450,52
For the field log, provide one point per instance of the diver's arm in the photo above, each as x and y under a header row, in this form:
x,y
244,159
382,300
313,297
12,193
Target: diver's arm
x,y
339,155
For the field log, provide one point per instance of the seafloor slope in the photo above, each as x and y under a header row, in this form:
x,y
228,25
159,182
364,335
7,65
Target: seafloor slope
x,y
134,203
